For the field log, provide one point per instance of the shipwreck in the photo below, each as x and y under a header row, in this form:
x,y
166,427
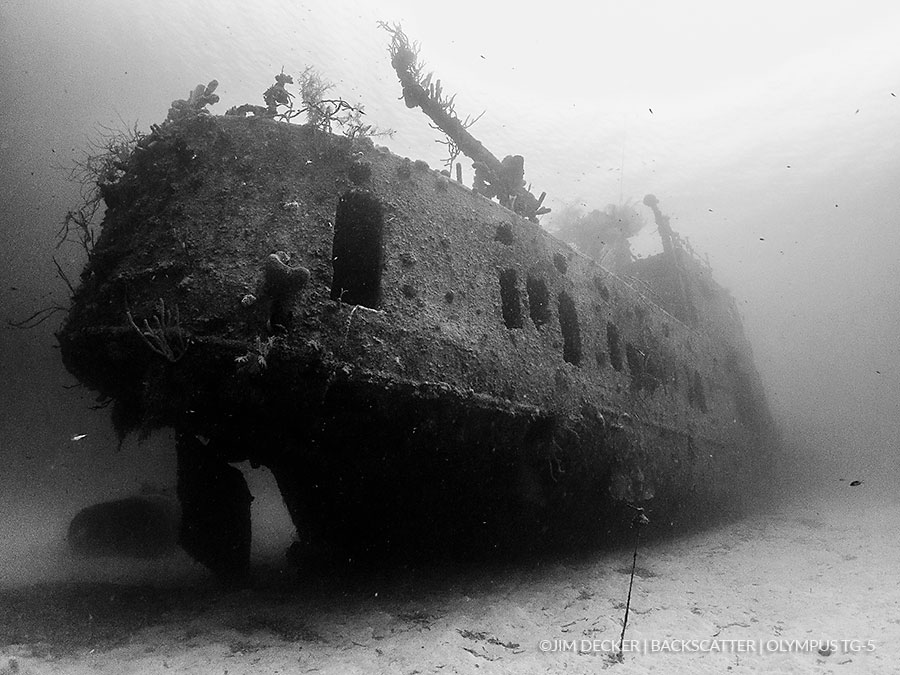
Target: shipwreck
x,y
423,369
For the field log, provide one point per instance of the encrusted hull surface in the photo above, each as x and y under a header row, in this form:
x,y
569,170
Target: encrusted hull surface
x,y
420,368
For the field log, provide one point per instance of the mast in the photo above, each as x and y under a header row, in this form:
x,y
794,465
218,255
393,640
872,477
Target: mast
x,y
673,253
493,178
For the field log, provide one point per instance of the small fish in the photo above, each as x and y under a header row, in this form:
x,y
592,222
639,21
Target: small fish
x,y
855,483
77,437
651,110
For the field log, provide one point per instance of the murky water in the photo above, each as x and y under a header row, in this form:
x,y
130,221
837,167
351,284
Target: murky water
x,y
772,144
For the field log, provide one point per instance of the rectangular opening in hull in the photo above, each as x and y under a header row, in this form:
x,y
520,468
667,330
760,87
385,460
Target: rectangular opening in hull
x,y
357,252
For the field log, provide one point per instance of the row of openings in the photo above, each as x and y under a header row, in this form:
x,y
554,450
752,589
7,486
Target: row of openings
x,y
539,310
357,259
646,373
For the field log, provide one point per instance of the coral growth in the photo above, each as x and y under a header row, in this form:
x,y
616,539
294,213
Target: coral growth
x,y
195,104
254,360
321,113
282,279
280,285
106,161
278,95
493,178
164,336
102,166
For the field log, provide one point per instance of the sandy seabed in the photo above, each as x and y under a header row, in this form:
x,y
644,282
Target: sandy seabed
x,y
811,588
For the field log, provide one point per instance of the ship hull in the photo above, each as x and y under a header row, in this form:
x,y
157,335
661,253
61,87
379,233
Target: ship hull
x,y
422,370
